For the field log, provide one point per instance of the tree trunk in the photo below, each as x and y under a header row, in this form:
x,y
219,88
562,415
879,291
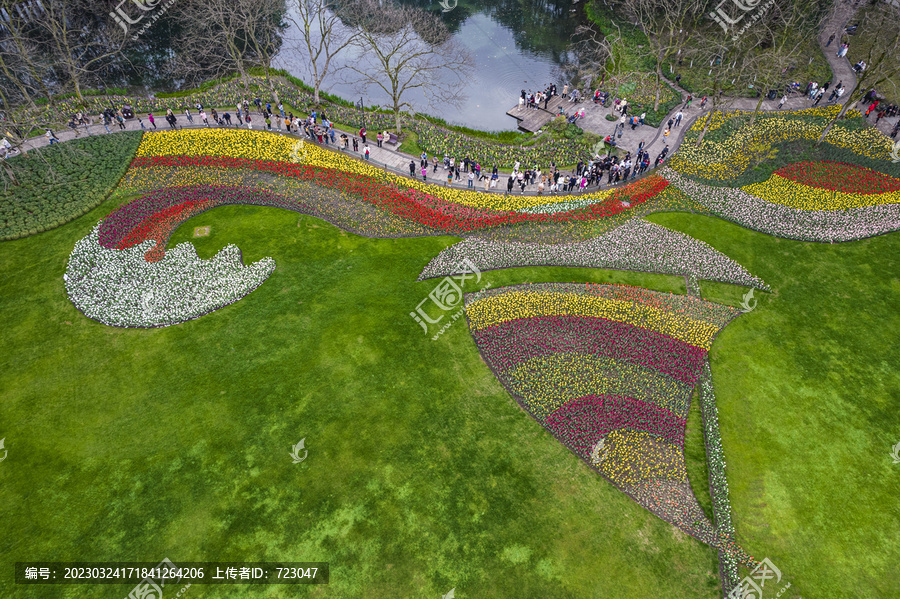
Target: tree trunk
x,y
706,125
272,89
78,90
840,114
397,117
658,85
756,111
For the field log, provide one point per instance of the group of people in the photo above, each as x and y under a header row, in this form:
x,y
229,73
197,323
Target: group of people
x,y
532,100
814,93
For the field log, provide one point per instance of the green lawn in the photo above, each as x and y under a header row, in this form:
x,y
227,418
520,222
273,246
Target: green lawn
x,y
808,390
423,474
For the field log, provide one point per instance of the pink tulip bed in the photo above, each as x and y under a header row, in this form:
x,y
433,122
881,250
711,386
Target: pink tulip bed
x,y
609,370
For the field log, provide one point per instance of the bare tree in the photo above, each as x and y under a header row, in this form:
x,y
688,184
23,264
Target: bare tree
x,y
668,25
881,25
24,70
212,43
322,37
402,49
728,59
784,33
588,55
263,26
80,46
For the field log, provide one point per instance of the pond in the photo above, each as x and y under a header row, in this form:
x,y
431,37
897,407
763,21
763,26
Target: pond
x,y
515,46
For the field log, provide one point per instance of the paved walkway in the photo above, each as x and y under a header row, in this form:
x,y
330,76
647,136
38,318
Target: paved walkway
x,y
594,120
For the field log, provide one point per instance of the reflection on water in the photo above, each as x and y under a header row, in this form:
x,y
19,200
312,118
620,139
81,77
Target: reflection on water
x,y
515,46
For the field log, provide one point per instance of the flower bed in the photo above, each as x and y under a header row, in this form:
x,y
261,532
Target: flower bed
x,y
720,160
747,210
839,176
120,288
786,192
609,371
636,245
272,152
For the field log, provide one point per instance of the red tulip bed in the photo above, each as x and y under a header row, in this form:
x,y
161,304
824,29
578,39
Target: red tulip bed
x,y
608,370
839,176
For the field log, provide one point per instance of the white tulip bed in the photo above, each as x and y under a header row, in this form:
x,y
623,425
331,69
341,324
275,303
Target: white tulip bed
x,y
120,288
637,245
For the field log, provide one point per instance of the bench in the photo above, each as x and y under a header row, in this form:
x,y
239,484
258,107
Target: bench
x,y
392,139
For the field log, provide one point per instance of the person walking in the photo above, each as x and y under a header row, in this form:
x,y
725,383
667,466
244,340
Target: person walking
x,y
509,184
830,39
151,119
205,119
412,169
819,97
678,118
190,117
783,100
425,173
366,151
471,179
51,137
379,138
240,114
362,134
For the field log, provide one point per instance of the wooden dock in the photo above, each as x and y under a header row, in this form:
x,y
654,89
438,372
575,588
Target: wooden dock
x,y
533,120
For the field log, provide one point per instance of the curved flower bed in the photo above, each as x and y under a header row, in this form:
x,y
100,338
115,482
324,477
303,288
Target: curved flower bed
x,y
636,245
839,176
239,148
747,210
609,371
719,160
783,191
120,288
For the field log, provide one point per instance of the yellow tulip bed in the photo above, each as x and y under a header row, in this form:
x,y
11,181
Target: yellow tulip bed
x,y
786,192
609,371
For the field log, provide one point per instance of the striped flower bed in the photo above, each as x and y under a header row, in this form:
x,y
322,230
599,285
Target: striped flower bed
x,y
609,370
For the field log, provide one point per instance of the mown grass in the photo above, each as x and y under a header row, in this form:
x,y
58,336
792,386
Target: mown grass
x,y
808,393
422,475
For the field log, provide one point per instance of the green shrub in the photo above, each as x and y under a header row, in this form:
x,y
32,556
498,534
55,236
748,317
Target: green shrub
x,y
61,183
